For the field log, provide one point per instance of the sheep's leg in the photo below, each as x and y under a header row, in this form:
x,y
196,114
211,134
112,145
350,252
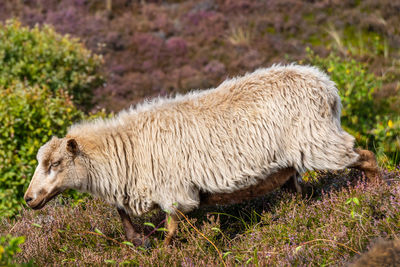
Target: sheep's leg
x,y
366,163
292,185
172,226
268,184
130,232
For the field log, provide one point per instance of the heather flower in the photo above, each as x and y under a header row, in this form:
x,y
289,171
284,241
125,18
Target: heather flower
x,y
176,46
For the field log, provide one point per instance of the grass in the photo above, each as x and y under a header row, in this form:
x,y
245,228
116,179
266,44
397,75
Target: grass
x,y
239,36
357,43
339,219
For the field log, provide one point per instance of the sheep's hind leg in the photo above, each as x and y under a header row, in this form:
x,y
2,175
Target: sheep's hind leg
x,y
130,232
292,185
366,163
266,185
172,226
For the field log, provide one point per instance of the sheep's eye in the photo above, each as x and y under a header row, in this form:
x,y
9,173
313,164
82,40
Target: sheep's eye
x,y
55,164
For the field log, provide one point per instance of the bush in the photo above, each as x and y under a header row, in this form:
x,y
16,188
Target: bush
x,y
9,246
356,87
387,138
373,125
40,56
29,117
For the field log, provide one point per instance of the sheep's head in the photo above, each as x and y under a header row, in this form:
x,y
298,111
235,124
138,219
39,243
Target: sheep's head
x,y
60,168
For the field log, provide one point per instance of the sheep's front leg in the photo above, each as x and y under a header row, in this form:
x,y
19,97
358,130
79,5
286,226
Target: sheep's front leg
x,y
130,232
172,227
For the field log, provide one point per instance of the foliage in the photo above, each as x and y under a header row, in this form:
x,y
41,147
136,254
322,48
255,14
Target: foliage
x,y
9,247
42,57
29,117
356,87
387,138
368,119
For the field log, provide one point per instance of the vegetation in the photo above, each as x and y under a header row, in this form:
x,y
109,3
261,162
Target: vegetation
x,y
39,68
375,126
29,117
42,57
48,80
9,246
332,226
174,46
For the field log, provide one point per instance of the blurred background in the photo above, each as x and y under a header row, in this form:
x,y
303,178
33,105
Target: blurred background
x,y
62,61
155,48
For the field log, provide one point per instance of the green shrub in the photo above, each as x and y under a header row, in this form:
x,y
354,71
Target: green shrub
x,y
356,87
387,138
9,246
29,117
373,125
40,56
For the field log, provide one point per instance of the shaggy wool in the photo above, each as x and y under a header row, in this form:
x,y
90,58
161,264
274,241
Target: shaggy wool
x,y
167,151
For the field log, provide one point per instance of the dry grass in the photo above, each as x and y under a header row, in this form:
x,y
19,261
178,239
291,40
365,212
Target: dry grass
x,y
240,36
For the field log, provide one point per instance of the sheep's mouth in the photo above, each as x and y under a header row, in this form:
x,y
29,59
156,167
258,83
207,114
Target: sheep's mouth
x,y
39,205
43,202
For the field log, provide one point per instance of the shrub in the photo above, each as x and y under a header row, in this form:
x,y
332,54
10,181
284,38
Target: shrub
x,y
40,56
356,87
29,117
372,123
387,138
9,246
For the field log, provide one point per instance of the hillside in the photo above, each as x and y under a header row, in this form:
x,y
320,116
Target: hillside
x,y
65,61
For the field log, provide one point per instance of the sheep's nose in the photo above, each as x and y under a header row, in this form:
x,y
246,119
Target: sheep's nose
x,y
28,199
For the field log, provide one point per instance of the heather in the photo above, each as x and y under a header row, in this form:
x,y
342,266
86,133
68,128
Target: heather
x,y
341,217
163,47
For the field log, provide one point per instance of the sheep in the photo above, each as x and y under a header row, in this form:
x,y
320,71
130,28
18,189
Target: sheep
x,y
244,138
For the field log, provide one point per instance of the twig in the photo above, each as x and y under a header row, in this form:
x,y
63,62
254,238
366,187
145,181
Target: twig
x,y
12,228
194,238
197,230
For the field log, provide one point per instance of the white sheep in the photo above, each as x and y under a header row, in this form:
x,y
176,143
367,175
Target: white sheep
x,y
251,132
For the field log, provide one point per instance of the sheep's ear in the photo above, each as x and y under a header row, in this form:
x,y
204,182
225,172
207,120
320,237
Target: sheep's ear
x,y
72,146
